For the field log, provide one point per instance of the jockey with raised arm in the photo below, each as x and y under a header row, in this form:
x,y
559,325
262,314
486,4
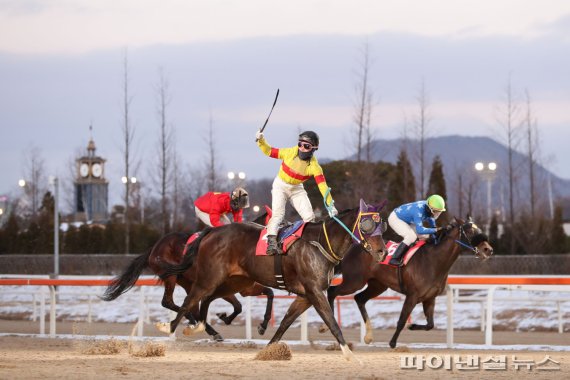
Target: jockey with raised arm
x,y
298,165
407,221
212,207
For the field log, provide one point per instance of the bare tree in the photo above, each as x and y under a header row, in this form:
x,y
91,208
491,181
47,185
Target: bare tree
x,y
363,108
421,129
34,176
164,148
128,133
212,165
532,150
508,118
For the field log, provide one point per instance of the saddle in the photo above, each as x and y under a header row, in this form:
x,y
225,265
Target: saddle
x,y
190,240
391,246
286,236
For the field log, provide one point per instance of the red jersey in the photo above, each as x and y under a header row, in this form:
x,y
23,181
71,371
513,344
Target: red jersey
x,y
217,204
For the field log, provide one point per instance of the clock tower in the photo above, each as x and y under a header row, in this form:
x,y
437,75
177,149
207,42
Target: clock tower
x,y
91,187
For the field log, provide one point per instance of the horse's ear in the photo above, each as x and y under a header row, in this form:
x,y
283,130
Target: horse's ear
x,y
363,205
469,218
382,204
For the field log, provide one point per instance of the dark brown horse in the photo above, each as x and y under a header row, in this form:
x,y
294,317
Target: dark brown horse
x,y
226,261
421,280
170,250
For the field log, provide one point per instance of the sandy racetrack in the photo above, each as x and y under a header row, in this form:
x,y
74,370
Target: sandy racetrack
x,y
44,358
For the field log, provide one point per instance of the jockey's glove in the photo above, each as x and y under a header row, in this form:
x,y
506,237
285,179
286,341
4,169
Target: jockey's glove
x,y
258,135
333,211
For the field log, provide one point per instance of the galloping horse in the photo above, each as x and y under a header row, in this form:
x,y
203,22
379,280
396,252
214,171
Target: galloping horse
x,y
226,261
421,280
170,250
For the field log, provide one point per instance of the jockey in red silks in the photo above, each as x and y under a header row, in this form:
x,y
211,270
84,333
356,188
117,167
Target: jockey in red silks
x,y
298,165
212,207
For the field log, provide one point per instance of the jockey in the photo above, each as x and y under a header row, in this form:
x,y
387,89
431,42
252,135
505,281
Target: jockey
x,y
211,208
407,221
298,165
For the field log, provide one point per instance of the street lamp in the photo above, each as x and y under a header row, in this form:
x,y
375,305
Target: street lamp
x,y
239,177
55,182
255,209
488,172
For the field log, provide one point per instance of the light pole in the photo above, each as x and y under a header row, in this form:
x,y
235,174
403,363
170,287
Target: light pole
x,y
54,181
488,172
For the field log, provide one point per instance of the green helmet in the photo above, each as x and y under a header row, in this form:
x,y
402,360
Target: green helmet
x,y
436,202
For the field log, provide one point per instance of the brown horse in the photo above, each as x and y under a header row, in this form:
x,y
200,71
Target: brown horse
x,y
170,250
421,280
226,261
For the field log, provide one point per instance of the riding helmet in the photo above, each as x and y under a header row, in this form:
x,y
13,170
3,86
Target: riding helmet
x,y
436,203
310,137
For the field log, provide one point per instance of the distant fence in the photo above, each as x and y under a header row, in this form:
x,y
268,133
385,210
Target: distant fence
x,y
113,264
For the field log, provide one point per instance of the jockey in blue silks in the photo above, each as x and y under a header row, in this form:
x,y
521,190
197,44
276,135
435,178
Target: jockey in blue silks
x,y
407,221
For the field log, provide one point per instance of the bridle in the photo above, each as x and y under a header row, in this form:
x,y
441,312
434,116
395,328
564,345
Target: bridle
x,y
468,241
376,228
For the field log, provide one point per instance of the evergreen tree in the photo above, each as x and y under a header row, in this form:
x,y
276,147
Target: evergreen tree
x,y
437,185
557,235
10,238
402,187
494,232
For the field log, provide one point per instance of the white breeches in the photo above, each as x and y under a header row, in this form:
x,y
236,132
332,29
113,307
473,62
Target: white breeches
x,y
405,230
282,192
205,217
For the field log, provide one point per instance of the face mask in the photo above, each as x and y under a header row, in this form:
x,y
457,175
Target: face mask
x,y
305,156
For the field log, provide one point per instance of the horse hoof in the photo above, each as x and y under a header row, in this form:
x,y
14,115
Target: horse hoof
x,y
368,339
323,328
218,338
194,329
392,344
163,327
260,330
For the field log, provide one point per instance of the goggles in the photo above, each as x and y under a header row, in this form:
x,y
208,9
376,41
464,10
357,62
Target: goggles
x,y
306,145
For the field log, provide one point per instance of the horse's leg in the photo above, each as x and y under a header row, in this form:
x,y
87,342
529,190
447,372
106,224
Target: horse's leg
x,y
346,287
268,309
319,301
190,302
409,304
237,310
204,306
429,306
167,299
297,307
374,289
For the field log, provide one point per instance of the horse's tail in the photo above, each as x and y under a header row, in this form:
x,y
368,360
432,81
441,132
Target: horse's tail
x,y
191,251
125,281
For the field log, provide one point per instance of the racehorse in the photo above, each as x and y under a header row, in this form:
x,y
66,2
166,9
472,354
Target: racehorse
x,y
226,261
170,250
421,280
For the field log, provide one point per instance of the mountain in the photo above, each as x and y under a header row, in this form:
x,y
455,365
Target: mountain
x,y
459,155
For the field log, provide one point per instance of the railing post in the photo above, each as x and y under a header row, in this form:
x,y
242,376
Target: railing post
x,y
89,308
560,324
140,324
248,318
489,318
52,311
482,316
362,330
304,330
449,317
42,310
35,308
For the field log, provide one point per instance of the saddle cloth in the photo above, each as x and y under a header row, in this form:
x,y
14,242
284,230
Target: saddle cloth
x,y
285,237
192,237
391,246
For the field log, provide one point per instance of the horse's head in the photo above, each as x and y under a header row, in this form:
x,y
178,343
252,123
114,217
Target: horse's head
x,y
369,228
472,237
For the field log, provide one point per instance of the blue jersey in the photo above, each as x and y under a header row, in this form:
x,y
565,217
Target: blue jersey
x,y
416,213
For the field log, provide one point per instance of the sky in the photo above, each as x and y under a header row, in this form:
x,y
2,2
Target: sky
x,y
61,70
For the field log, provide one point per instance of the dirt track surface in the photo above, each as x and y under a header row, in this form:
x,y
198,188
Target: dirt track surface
x,y
44,358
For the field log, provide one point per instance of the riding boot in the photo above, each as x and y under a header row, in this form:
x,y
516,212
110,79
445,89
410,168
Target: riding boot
x,y
398,256
272,248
